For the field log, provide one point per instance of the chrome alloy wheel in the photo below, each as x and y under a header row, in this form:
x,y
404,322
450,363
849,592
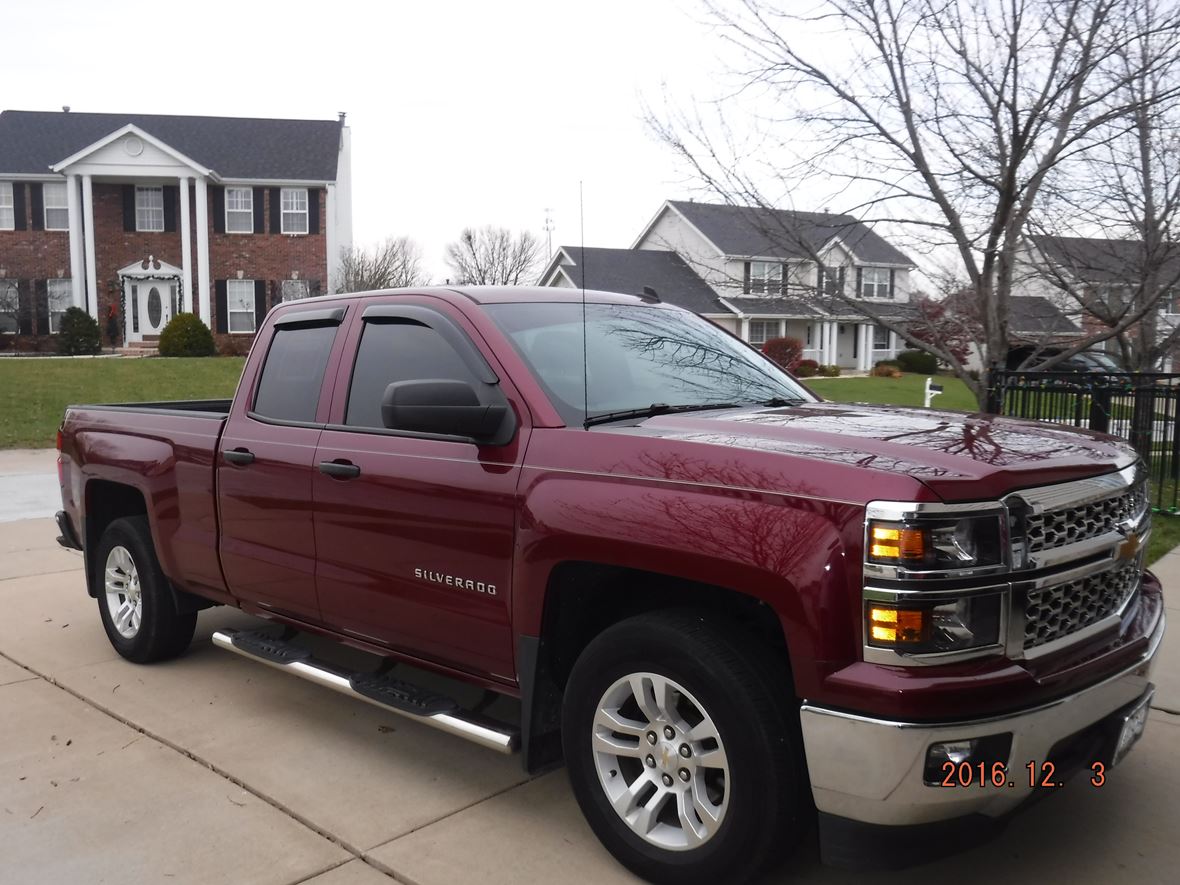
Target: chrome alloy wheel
x,y
124,599
660,761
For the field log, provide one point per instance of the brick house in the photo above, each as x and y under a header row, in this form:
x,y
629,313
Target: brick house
x,y
136,217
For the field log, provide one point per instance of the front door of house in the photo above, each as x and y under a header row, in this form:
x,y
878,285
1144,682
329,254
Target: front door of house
x,y
150,304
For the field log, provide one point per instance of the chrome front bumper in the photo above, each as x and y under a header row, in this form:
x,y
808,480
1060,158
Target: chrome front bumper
x,y
871,770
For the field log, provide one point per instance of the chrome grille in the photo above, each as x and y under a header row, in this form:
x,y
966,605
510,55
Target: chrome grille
x,y
1058,611
1067,525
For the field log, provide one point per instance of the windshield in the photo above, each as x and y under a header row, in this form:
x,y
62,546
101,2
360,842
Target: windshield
x,y
636,357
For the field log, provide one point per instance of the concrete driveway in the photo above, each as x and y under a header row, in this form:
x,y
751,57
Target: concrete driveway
x,y
212,768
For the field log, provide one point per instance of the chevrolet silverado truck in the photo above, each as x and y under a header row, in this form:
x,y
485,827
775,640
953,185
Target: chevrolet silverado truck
x,y
737,613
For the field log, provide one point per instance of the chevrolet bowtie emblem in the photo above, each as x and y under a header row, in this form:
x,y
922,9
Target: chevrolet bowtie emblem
x,y
1129,548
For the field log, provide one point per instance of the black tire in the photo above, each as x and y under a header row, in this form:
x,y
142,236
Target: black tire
x,y
746,692
162,632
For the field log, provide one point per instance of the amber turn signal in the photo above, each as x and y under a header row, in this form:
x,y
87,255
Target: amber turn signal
x,y
897,626
891,541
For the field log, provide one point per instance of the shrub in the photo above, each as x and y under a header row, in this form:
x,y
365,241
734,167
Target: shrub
x,y
830,371
786,351
186,335
917,361
806,368
78,333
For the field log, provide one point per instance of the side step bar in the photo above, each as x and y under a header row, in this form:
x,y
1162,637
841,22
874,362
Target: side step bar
x,y
387,693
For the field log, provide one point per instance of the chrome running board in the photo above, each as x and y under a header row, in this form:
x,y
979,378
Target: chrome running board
x,y
415,703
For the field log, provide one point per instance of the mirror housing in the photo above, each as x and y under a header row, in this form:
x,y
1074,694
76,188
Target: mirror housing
x,y
445,408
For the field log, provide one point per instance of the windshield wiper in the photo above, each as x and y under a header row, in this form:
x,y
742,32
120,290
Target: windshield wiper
x,y
665,409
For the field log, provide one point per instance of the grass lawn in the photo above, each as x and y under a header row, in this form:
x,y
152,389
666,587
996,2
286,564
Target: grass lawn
x,y
903,391
35,392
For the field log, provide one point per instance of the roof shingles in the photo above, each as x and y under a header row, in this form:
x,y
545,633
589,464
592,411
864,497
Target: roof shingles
x,y
233,147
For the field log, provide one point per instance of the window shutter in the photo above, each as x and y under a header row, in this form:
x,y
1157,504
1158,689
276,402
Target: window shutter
x,y
840,281
171,192
860,282
37,200
746,279
40,307
783,282
222,324
276,210
128,207
314,288
259,210
891,271
218,209
24,307
259,303
819,279
18,206
313,210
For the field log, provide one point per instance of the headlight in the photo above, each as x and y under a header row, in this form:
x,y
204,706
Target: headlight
x,y
936,544
914,626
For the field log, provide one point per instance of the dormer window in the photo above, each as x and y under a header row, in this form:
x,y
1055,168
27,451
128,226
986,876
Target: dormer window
x,y
764,278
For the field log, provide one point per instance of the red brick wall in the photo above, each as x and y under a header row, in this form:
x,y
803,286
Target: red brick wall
x,y
30,254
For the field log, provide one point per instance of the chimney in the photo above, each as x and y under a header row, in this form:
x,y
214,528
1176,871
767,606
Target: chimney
x,y
342,115
65,108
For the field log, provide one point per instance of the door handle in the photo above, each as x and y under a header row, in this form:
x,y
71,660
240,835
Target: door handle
x,y
340,469
238,456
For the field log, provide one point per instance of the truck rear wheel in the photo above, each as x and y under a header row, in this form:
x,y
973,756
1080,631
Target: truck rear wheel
x,y
135,603
683,750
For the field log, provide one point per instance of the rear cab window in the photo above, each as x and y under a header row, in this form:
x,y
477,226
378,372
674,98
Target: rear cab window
x,y
289,385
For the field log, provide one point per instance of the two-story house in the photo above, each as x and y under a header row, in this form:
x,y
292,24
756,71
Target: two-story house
x,y
762,274
136,217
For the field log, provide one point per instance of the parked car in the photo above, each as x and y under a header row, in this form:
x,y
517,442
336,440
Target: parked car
x,y
731,609
1085,361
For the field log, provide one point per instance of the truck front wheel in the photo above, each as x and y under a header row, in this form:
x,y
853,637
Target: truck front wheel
x,y
135,603
683,750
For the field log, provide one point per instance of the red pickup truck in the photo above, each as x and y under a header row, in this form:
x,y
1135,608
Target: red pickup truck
x,y
733,610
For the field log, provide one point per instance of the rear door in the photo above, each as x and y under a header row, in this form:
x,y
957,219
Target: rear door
x,y
415,536
266,461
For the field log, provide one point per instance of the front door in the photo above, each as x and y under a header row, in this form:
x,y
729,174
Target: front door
x,y
150,304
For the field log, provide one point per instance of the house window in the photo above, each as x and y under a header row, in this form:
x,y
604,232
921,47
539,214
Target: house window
x,y
9,306
831,280
7,207
294,205
1172,302
295,290
149,209
240,306
874,283
61,297
880,338
239,210
762,331
766,278
57,211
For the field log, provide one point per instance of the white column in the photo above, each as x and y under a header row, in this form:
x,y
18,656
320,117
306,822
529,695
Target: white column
x,y
88,243
186,247
203,252
829,346
817,341
77,267
744,329
331,246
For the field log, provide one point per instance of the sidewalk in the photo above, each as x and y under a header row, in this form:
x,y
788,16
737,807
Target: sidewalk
x,y
28,484
212,768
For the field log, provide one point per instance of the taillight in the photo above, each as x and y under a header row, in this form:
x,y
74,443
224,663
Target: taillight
x,y
61,469
59,439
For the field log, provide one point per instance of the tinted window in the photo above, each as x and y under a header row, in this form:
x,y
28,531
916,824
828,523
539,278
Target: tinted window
x,y
293,373
398,351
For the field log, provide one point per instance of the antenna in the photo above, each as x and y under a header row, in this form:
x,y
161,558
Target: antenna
x,y
582,259
548,228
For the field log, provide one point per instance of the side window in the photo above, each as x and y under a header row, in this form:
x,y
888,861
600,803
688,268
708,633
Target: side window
x,y
293,373
398,351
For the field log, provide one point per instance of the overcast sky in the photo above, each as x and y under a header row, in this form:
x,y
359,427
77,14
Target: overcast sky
x,y
462,113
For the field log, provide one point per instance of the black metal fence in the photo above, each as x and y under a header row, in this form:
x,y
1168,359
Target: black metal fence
x,y
1141,407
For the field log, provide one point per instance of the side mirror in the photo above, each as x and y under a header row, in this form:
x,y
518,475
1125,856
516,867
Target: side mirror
x,y
449,408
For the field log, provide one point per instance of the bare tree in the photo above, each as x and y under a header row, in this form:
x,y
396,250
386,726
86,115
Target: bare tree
x,y
947,117
395,263
492,256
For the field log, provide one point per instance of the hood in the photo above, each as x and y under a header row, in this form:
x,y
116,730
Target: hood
x,y
959,456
